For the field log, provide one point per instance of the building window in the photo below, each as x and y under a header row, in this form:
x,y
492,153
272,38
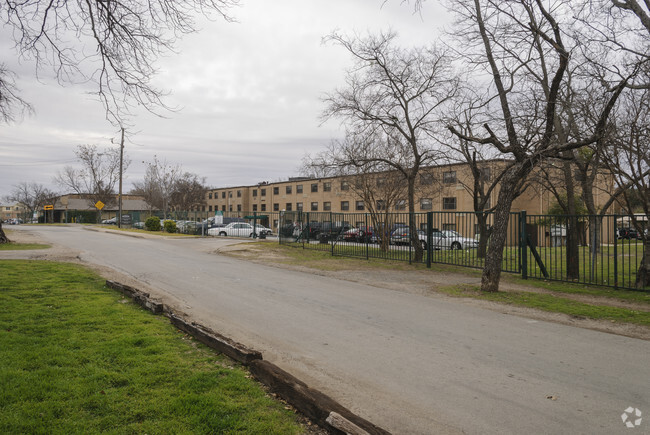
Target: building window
x,y
381,205
327,187
299,206
223,208
262,192
314,187
345,205
223,195
210,208
449,203
484,174
426,179
210,195
239,193
359,206
230,208
238,207
314,206
276,190
276,207
288,206
449,227
345,185
263,207
381,181
229,194
288,190
299,188
427,204
254,208
449,177
254,193
327,206
400,204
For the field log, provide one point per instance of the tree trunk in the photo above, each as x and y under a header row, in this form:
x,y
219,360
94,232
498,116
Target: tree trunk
x,y
494,258
643,273
572,251
484,234
3,236
413,230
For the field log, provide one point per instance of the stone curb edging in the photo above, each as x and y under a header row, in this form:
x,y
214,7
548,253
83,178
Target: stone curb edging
x,y
318,407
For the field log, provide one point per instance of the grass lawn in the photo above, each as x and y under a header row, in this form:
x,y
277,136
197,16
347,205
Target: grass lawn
x,y
76,357
605,268
21,246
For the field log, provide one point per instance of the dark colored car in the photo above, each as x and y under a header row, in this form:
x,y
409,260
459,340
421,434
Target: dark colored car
x,y
628,233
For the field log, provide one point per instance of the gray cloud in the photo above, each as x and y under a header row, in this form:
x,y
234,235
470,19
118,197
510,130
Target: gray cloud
x,y
248,93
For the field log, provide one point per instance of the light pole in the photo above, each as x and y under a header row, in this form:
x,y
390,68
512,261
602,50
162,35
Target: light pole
x,y
119,199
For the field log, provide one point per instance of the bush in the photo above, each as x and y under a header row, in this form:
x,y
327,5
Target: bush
x,y
170,226
152,223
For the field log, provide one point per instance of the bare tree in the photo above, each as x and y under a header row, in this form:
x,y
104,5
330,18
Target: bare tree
x,y
158,184
114,44
393,94
32,196
188,192
95,180
521,46
11,105
629,160
378,185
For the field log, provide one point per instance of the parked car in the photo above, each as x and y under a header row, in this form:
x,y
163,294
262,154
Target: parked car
x,y
628,233
402,236
235,229
139,225
261,229
360,235
449,239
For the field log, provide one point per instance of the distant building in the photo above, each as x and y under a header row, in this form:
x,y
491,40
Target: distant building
x,y
439,188
13,211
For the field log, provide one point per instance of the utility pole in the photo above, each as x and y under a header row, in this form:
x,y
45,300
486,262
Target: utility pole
x,y
119,200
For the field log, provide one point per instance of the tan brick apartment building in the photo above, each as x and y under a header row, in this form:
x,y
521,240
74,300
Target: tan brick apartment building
x,y
440,188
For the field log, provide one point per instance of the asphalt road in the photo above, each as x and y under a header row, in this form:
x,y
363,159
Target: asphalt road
x,y
408,363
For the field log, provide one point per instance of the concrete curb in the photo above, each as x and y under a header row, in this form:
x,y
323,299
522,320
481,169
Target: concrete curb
x,y
320,408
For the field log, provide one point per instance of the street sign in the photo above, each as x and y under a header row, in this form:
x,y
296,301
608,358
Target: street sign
x,y
48,207
99,205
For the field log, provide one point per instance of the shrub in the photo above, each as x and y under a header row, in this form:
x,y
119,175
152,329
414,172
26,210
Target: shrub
x,y
170,226
152,223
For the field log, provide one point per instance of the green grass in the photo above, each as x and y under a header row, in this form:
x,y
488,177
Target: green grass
x,y
75,357
22,246
559,300
556,304
627,259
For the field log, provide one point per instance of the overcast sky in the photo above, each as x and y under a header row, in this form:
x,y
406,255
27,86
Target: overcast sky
x,y
249,92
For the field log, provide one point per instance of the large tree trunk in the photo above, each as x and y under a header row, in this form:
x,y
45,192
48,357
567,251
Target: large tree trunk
x,y
572,251
3,236
484,234
643,273
494,258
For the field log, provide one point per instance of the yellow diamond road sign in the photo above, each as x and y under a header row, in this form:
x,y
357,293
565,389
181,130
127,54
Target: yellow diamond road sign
x,y
99,205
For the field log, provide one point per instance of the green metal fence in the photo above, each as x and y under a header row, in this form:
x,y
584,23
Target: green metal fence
x,y
582,249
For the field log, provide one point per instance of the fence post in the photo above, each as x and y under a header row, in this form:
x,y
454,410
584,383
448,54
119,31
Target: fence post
x,y
331,230
523,257
615,255
429,238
